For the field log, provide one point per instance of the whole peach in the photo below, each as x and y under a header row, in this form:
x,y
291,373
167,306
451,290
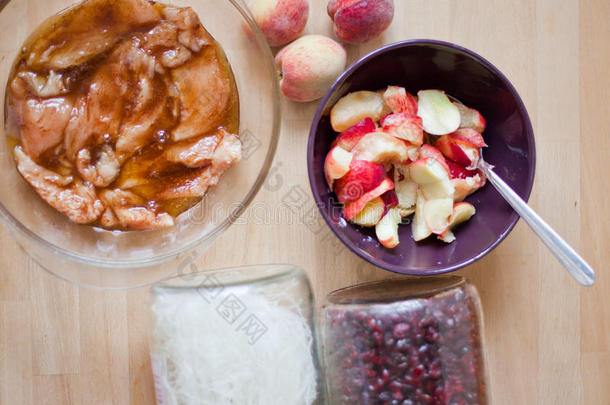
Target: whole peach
x,y
280,20
359,21
308,67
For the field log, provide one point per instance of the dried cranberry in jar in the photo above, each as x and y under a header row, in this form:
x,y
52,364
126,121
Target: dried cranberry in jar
x,y
401,342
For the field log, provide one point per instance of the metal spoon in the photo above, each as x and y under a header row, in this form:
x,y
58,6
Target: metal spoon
x,y
576,265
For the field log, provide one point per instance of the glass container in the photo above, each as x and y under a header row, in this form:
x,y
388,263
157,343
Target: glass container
x,y
235,336
405,342
98,258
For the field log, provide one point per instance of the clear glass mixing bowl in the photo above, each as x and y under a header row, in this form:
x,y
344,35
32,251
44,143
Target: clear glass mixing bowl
x,y
97,258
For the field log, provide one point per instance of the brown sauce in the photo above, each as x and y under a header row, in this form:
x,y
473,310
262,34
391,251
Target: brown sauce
x,y
107,94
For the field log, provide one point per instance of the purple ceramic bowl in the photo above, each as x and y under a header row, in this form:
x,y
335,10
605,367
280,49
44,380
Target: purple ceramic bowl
x,y
461,73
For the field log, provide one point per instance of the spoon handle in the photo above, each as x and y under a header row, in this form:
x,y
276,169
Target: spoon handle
x,y
576,265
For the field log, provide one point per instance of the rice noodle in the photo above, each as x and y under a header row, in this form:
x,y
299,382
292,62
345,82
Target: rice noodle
x,y
200,358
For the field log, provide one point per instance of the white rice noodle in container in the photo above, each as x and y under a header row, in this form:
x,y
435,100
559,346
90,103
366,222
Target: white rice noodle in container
x,y
240,336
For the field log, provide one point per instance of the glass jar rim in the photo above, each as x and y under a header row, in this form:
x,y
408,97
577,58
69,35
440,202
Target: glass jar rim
x,y
233,276
394,290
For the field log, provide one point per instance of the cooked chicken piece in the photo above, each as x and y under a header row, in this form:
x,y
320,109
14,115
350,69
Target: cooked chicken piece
x,y
104,171
45,86
193,185
227,153
172,58
162,36
190,31
97,114
109,220
163,40
152,110
78,202
205,92
64,166
196,184
88,30
131,211
196,153
137,170
137,131
41,122
135,59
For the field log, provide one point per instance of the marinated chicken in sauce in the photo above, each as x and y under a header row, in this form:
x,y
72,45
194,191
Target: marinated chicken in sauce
x,y
125,111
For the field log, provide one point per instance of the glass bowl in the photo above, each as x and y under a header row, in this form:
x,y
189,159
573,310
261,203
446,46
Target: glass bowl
x,y
428,64
97,258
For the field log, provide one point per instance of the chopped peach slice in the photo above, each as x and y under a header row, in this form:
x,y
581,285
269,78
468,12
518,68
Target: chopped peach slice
x,y
350,137
469,136
379,147
458,151
390,199
426,171
420,229
439,115
337,164
387,229
406,191
355,107
362,177
465,187
440,189
462,212
437,214
429,151
371,214
470,118
355,207
400,101
404,126
458,171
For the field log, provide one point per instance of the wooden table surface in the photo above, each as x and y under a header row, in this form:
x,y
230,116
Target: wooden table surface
x,y
548,339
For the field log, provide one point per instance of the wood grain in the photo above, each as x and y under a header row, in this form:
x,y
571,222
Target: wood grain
x,y
548,339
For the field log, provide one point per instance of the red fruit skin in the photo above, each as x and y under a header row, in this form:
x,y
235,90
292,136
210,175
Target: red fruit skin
x,y
280,31
362,177
459,156
402,103
457,171
329,181
404,126
391,172
334,5
353,208
480,122
359,21
443,145
429,151
469,136
390,199
350,137
471,118
411,105
451,150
